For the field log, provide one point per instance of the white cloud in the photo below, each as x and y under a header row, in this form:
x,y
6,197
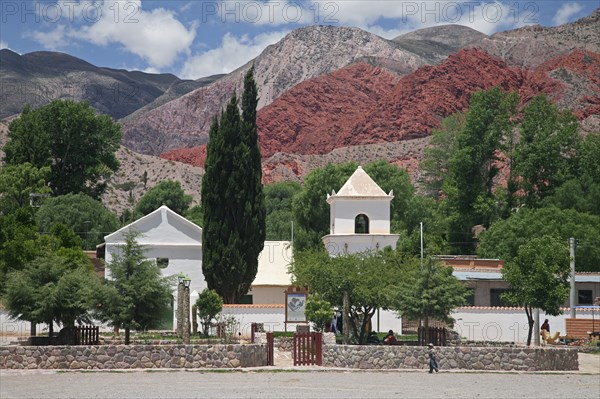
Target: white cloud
x,y
565,12
51,40
156,36
231,54
3,44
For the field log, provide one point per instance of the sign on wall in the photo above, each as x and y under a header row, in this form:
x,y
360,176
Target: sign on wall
x,y
295,304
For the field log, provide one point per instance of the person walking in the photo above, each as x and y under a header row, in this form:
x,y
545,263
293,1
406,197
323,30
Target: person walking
x,y
432,360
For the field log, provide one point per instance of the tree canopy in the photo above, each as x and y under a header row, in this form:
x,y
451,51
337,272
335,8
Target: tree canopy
x,y
232,198
56,286
505,237
543,156
472,166
167,192
78,146
278,202
87,217
369,278
18,182
136,295
430,292
537,277
209,304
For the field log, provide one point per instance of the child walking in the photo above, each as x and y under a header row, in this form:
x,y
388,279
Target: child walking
x,y
432,360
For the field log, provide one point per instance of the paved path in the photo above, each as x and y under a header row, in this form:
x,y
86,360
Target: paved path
x,y
309,384
285,381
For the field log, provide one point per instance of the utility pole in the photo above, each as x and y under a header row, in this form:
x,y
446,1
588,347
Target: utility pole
x,y
421,224
573,296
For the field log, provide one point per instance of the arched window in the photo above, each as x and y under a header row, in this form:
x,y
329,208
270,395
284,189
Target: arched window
x,y
361,224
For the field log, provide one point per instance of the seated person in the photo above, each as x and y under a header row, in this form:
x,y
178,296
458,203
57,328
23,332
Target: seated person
x,y
372,338
390,338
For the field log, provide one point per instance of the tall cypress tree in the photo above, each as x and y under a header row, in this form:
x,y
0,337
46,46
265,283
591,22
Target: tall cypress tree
x,y
232,198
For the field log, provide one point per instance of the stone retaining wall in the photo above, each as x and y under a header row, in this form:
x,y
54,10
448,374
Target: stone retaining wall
x,y
132,356
466,358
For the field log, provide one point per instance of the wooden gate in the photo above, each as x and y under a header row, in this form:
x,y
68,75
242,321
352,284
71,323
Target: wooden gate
x,y
436,336
308,349
87,335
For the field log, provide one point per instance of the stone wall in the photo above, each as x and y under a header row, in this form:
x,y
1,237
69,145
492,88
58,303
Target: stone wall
x,y
465,358
132,356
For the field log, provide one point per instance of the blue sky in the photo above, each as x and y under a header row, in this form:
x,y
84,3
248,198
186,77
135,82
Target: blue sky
x,y
192,39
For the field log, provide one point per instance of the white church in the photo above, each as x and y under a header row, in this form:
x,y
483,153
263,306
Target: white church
x,y
360,221
359,217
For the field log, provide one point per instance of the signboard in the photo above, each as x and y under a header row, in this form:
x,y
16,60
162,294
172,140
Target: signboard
x,y
295,304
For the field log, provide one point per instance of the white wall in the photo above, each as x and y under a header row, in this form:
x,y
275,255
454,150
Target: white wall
x,y
182,259
344,212
507,324
351,244
273,318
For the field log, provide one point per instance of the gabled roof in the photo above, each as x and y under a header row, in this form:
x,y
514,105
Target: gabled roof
x,y
161,227
360,184
273,263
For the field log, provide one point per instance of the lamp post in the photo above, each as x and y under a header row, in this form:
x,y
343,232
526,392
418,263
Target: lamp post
x,y
179,314
186,310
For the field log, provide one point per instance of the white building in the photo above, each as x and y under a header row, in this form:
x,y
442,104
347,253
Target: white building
x,y
175,244
172,241
359,222
359,217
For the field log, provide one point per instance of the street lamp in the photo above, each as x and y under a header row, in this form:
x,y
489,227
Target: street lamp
x,y
186,310
179,314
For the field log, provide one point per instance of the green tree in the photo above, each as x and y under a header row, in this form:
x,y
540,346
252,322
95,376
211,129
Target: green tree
x,y
77,145
504,237
537,277
472,167
87,217
430,293
167,192
17,182
136,295
194,215
440,150
278,202
369,278
209,305
19,242
581,191
233,199
53,287
544,155
318,311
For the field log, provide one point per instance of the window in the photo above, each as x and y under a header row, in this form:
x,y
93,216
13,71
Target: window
x,y
470,297
246,300
361,224
496,297
585,297
162,262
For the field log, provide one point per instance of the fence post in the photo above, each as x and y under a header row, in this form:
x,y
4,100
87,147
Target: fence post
x,y
270,348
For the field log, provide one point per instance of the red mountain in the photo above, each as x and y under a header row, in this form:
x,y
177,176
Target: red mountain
x,y
362,104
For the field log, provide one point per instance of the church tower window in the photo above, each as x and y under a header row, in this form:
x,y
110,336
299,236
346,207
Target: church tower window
x,y
361,224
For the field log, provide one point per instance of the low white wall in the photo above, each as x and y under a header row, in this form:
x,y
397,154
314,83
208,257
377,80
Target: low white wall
x,y
507,324
273,318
